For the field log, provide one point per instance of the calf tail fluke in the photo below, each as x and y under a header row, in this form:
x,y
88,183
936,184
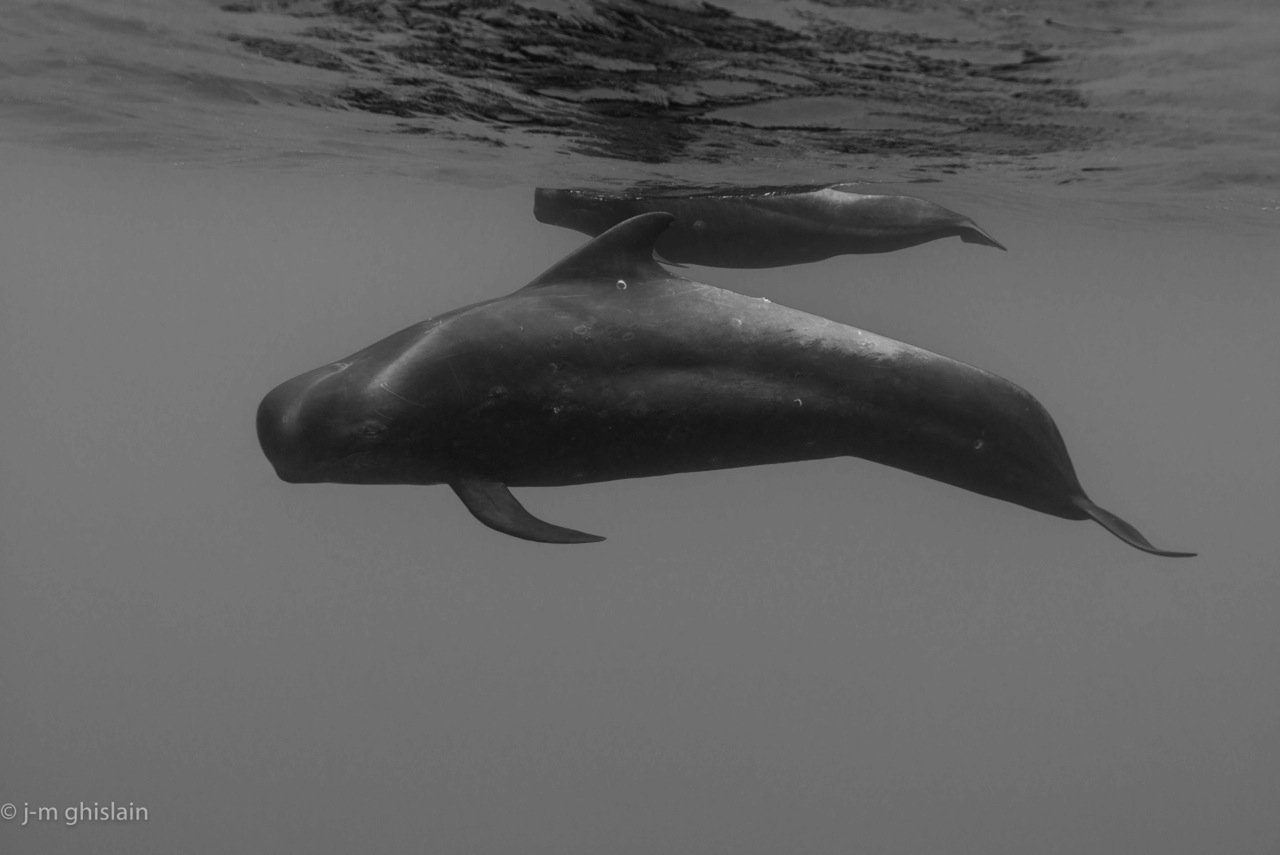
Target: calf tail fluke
x,y
975,234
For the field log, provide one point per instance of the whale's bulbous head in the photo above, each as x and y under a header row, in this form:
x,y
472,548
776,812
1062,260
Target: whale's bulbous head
x,y
321,426
579,210
298,425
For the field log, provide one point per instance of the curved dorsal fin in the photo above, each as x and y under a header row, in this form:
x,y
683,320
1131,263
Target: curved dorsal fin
x,y
626,250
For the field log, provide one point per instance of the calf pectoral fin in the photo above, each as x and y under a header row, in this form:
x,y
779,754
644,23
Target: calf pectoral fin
x,y
492,503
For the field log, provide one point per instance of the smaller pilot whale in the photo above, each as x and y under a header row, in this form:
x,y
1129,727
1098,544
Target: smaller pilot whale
x,y
767,226
607,366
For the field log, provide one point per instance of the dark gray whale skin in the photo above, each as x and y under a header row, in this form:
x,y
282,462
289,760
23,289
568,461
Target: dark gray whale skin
x,y
765,227
608,366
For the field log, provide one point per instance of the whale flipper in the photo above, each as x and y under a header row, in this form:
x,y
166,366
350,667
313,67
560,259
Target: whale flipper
x,y
492,503
1123,530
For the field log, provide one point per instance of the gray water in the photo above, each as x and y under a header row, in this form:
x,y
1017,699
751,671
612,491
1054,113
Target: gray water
x,y
818,657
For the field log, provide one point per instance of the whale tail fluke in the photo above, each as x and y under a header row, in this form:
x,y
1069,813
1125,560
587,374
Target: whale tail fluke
x,y
973,234
1123,530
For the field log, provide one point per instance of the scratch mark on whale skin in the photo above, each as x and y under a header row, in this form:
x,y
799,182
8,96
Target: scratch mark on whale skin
x,y
391,391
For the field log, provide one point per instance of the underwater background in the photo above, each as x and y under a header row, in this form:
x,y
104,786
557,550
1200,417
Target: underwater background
x,y
203,199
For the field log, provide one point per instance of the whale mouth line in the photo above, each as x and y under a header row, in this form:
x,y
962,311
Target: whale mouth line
x,y
315,474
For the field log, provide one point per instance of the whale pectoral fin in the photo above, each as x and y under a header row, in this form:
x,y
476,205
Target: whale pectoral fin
x,y
491,502
1123,530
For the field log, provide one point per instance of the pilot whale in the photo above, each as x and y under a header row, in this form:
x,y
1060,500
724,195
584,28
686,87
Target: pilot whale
x,y
608,366
767,226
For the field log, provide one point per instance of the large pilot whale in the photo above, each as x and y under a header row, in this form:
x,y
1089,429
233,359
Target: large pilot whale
x,y
765,226
608,366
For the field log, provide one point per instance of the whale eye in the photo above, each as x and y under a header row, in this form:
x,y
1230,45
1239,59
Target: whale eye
x,y
622,285
977,444
372,429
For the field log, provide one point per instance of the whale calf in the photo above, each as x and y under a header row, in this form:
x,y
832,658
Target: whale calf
x,y
608,366
766,227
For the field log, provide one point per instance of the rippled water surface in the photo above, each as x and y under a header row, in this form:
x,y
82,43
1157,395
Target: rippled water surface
x,y
204,199
1153,98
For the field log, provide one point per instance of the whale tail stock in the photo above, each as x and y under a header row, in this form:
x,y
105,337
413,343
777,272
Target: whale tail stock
x,y
1122,529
